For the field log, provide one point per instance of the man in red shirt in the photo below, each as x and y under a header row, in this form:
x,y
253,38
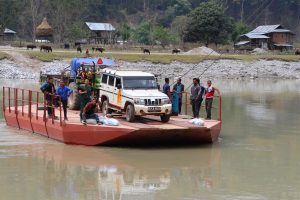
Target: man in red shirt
x,y
89,112
209,96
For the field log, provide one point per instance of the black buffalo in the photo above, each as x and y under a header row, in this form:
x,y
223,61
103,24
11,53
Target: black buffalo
x,y
46,48
175,51
31,46
79,49
77,44
100,49
146,51
66,46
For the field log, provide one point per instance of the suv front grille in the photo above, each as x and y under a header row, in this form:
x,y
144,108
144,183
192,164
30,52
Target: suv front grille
x,y
152,102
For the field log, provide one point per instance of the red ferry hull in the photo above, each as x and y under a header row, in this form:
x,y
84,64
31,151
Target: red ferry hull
x,y
151,133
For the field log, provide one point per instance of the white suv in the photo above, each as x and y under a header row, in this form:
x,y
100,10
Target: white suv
x,y
133,92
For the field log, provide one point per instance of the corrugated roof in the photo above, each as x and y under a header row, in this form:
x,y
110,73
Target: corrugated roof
x,y
256,36
265,29
270,29
100,26
7,30
281,31
283,45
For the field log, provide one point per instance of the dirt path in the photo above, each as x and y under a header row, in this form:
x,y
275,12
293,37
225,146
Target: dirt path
x,y
22,59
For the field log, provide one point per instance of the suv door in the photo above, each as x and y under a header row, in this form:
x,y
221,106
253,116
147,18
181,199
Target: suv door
x,y
118,92
111,89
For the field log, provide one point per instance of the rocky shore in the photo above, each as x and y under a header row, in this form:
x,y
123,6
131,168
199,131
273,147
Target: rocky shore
x,y
225,69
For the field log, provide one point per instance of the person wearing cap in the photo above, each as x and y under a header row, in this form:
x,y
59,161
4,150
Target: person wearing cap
x,y
178,89
209,96
89,112
64,92
48,89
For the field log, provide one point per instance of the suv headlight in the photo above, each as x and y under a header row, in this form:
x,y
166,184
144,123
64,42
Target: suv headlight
x,y
139,101
165,101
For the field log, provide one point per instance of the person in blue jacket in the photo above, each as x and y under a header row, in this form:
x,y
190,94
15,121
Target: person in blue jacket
x,y
48,89
64,92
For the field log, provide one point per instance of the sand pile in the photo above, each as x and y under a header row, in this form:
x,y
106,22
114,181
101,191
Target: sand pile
x,y
259,51
202,51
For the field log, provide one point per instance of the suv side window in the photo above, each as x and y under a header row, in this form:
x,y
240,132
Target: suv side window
x,y
104,78
111,80
118,81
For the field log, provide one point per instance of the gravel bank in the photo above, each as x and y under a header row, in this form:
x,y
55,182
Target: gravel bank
x,y
10,70
226,69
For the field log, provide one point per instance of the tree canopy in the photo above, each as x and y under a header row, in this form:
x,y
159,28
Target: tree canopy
x,y
208,24
23,16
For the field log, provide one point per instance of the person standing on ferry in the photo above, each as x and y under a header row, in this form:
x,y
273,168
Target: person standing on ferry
x,y
209,95
178,89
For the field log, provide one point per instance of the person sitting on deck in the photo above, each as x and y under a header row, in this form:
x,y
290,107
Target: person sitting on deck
x,y
64,92
48,89
209,95
89,112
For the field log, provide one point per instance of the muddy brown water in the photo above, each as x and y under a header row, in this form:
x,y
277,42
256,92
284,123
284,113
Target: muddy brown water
x,y
257,157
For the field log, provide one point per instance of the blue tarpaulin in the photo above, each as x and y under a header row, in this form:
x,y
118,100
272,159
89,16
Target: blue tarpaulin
x,y
76,62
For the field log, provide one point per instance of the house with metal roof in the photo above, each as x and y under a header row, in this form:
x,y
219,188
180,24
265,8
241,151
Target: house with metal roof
x,y
7,34
101,33
268,37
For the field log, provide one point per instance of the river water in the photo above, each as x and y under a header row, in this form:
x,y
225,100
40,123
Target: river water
x,y
257,157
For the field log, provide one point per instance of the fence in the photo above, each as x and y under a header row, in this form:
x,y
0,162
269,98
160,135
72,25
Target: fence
x,y
186,103
19,100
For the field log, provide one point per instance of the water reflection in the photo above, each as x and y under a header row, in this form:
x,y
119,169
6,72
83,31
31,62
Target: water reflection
x,y
257,157
105,173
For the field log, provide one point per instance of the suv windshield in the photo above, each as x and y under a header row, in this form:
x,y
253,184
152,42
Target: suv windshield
x,y
146,82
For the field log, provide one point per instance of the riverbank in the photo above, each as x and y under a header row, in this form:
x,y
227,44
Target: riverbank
x,y
163,58
212,69
28,64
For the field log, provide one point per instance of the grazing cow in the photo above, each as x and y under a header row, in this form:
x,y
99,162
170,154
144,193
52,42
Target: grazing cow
x,y
46,48
77,44
297,52
31,46
175,51
79,49
100,49
145,51
66,46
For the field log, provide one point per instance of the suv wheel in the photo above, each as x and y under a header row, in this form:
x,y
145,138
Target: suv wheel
x,y
130,113
105,108
165,118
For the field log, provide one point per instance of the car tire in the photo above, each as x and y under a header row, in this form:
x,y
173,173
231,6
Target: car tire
x,y
105,108
130,113
74,100
165,118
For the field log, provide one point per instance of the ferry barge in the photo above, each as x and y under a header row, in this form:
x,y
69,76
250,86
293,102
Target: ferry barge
x,y
26,109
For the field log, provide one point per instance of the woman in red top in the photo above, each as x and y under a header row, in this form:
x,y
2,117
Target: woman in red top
x,y
209,96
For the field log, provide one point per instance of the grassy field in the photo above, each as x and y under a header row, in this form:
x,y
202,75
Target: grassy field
x,y
3,55
159,57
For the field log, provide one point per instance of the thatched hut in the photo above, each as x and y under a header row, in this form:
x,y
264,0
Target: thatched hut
x,y
44,31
